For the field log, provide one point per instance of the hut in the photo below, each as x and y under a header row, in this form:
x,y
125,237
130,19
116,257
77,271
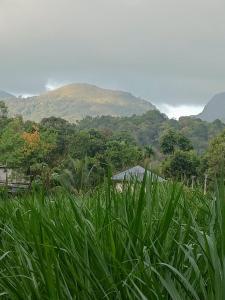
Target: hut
x,y
13,178
135,173
3,174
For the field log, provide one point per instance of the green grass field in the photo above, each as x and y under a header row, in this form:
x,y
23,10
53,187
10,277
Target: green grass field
x,y
149,242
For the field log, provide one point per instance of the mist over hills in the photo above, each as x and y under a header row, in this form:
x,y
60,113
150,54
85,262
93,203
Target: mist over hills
x,y
75,101
215,109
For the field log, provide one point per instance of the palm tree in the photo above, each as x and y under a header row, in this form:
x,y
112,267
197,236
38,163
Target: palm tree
x,y
76,176
148,153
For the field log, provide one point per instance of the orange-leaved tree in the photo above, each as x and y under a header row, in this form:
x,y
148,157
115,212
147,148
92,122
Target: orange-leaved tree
x,y
32,141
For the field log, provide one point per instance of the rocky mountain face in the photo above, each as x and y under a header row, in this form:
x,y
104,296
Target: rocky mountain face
x,y
215,109
75,101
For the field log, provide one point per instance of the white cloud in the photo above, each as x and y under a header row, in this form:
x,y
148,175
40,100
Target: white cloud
x,y
24,95
176,112
52,85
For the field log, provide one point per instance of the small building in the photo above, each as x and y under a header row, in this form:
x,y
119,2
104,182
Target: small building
x,y
13,178
3,175
135,173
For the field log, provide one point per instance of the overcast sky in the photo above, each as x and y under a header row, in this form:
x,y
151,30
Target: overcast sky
x,y
167,51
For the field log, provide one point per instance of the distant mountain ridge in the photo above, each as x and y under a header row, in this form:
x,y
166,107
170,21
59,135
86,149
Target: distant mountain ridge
x,y
215,109
75,101
4,95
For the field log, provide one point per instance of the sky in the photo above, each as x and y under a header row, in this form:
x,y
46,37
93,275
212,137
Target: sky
x,y
170,52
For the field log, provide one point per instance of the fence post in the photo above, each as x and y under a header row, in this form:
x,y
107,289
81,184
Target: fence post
x,y
192,182
6,177
205,184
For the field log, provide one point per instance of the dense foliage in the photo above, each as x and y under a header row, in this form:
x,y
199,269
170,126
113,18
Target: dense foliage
x,y
174,149
215,156
25,144
148,128
180,161
46,149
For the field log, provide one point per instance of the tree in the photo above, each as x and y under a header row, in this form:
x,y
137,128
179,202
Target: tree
x,y
4,120
181,164
87,143
215,156
3,110
76,176
172,140
38,145
32,141
180,159
148,154
65,131
25,145
121,154
183,143
12,144
168,142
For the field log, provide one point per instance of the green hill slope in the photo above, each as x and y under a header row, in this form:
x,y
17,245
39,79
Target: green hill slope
x,y
75,101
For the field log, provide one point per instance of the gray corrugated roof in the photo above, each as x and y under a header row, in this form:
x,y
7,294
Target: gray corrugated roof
x,y
134,173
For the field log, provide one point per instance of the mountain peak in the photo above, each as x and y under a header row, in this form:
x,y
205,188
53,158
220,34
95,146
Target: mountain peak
x,y
215,109
87,90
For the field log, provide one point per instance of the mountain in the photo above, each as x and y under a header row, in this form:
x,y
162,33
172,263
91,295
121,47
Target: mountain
x,y
215,109
4,95
75,101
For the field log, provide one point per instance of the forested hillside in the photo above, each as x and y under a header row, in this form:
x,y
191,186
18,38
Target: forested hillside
x,y
147,128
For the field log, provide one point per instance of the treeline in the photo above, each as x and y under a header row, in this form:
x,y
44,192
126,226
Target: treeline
x,y
147,128
84,152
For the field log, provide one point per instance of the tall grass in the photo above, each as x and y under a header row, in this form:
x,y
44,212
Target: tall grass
x,y
152,241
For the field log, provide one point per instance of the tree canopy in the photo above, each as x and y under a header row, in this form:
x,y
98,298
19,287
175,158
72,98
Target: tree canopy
x,y
170,147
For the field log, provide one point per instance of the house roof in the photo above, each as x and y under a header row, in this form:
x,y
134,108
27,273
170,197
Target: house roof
x,y
135,173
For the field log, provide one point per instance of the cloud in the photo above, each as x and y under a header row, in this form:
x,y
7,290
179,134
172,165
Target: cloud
x,y
166,51
53,85
176,112
25,96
